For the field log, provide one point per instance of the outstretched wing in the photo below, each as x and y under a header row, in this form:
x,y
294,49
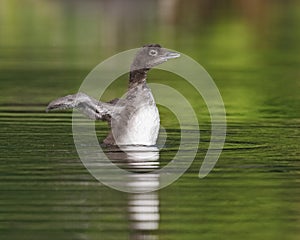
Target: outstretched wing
x,y
89,106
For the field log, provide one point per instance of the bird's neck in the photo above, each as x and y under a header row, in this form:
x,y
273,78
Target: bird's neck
x,y
137,77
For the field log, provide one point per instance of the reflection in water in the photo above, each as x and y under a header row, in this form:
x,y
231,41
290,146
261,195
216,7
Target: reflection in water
x,y
143,208
144,215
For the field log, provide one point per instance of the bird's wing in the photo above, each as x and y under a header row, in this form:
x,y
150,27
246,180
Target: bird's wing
x,y
89,106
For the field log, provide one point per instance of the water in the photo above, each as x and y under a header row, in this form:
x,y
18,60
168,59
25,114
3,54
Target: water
x,y
251,49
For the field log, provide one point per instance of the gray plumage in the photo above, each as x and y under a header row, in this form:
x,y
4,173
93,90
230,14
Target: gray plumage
x,y
134,120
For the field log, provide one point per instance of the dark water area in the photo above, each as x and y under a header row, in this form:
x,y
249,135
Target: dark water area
x,y
251,50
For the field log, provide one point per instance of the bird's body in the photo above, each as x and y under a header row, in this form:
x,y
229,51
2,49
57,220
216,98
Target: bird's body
x,y
134,120
137,122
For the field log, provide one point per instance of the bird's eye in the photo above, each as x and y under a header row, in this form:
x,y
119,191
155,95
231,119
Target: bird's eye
x,y
152,52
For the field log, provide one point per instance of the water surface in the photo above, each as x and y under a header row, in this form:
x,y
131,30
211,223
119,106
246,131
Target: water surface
x,y
251,49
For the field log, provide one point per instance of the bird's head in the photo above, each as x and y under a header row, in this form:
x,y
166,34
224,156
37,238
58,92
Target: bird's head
x,y
150,56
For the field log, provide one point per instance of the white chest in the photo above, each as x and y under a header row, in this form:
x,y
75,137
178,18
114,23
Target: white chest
x,y
142,127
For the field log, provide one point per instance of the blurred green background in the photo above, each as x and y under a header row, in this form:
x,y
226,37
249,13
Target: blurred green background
x,y
250,48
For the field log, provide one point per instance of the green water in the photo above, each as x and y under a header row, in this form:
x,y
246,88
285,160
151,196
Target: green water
x,y
250,48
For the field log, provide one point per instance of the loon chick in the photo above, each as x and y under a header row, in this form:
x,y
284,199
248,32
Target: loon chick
x,y
134,120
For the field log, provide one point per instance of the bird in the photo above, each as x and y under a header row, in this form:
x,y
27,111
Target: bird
x,y
134,119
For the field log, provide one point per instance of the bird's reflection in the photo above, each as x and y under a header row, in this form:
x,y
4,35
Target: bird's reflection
x,y
143,208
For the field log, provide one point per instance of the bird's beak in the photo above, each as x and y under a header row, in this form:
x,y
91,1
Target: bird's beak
x,y
170,55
